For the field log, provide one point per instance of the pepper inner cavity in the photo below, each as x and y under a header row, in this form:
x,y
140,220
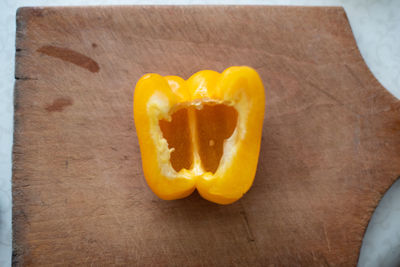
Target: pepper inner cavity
x,y
197,135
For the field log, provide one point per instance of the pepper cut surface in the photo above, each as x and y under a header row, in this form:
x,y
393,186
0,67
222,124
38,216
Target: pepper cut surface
x,y
203,133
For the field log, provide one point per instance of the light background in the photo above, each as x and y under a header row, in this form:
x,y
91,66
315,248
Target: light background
x,y
376,26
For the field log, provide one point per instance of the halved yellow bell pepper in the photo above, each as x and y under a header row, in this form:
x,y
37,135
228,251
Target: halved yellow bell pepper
x,y
203,133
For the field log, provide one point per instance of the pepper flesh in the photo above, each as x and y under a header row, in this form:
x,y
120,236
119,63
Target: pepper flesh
x,y
158,100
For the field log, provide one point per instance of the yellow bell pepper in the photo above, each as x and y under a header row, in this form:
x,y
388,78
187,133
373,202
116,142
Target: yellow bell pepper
x,y
203,133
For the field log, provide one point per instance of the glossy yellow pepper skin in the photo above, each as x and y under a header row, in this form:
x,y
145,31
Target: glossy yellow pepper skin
x,y
156,98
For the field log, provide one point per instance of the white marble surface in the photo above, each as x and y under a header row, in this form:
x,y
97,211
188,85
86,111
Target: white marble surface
x,y
376,26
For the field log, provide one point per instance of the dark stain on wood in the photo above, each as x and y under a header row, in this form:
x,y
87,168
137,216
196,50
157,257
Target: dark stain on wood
x,y
37,12
59,104
396,126
70,56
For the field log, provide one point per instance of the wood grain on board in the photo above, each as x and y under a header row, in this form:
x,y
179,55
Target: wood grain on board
x,y
330,146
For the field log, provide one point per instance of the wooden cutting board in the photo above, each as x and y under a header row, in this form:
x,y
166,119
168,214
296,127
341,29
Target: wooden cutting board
x,y
330,146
